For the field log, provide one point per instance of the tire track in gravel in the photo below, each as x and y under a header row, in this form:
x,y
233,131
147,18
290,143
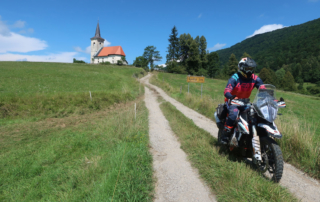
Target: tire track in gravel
x,y
300,184
176,179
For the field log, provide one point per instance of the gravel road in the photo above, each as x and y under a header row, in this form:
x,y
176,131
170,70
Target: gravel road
x,y
176,179
302,186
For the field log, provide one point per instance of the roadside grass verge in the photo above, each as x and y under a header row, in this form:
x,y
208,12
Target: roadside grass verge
x,y
78,158
301,141
40,90
230,179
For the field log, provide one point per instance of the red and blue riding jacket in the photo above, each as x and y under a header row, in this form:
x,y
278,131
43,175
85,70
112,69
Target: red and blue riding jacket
x,y
241,87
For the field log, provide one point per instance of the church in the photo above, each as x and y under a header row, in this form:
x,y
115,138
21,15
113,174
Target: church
x,y
104,54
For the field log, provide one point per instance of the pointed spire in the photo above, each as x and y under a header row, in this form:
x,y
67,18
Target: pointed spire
x,y
98,30
97,35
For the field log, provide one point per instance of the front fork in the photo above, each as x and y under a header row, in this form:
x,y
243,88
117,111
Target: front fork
x,y
256,145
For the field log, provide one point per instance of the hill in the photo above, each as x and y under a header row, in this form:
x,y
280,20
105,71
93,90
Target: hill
x,y
294,44
57,144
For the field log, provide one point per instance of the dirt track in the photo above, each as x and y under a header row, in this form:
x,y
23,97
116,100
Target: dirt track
x,y
302,186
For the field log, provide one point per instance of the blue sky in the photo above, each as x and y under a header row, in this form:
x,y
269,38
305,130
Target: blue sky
x,y
58,31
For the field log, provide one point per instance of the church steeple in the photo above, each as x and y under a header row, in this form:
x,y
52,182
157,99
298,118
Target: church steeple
x,y
97,43
97,31
97,35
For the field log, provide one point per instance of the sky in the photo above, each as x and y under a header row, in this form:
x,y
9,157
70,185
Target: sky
x,y
58,31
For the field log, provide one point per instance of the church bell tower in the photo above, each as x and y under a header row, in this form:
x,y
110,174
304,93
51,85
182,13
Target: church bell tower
x,y
96,43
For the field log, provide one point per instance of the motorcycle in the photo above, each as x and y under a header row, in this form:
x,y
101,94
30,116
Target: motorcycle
x,y
255,132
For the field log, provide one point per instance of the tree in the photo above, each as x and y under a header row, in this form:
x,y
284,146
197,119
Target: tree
x,y
232,65
173,49
280,74
140,62
151,55
185,41
213,64
193,61
246,55
265,76
203,52
288,82
123,59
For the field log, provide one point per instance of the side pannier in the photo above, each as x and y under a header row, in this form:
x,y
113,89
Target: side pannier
x,y
222,111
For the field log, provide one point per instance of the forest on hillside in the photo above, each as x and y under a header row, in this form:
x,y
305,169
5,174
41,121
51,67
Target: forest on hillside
x,y
285,57
295,48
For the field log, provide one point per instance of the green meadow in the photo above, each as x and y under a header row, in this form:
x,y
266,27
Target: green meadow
x,y
301,142
59,145
39,90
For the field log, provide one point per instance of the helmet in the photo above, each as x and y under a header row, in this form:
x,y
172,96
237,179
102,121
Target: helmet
x,y
246,67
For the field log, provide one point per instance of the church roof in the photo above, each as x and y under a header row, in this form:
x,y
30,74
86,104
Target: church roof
x,y
111,50
97,35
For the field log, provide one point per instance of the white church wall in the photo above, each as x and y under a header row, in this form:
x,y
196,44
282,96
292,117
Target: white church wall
x,y
113,59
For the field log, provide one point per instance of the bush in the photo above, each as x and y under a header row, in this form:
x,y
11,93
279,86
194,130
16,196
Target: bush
x,y
105,63
119,62
78,61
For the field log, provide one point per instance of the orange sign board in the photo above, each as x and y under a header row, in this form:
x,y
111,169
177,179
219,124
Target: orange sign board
x,y
195,79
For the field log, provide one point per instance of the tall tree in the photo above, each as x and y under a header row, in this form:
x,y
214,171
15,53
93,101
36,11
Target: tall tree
x,y
193,61
213,64
288,82
265,75
151,55
184,42
280,74
232,65
245,55
203,52
173,49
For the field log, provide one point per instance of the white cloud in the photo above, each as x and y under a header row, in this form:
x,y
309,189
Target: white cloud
x,y
87,50
13,42
19,24
4,30
18,43
106,43
60,57
266,28
217,47
199,16
28,31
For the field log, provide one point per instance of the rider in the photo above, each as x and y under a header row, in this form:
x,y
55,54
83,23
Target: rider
x,y
239,86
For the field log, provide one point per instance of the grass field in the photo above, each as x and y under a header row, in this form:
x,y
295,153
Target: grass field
x,y
301,141
40,90
230,178
100,154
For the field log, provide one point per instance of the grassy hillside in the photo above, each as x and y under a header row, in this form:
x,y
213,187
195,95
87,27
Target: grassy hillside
x,y
58,145
301,142
57,90
284,46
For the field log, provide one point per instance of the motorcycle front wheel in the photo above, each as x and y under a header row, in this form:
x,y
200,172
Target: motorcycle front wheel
x,y
272,160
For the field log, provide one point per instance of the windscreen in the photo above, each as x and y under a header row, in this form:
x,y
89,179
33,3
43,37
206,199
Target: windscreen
x,y
265,104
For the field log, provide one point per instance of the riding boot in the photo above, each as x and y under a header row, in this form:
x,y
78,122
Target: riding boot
x,y
225,136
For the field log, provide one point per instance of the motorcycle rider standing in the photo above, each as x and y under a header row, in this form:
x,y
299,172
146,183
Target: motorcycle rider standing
x,y
239,86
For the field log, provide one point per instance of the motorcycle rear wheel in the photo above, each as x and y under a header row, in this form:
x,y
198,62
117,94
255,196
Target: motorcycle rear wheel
x,y
272,157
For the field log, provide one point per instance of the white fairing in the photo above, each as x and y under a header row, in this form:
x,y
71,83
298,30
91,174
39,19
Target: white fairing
x,y
276,133
281,104
244,125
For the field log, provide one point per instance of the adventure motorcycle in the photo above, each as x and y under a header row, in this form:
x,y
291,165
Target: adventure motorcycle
x,y
255,130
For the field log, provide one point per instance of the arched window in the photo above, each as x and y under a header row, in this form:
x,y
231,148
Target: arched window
x,y
94,43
